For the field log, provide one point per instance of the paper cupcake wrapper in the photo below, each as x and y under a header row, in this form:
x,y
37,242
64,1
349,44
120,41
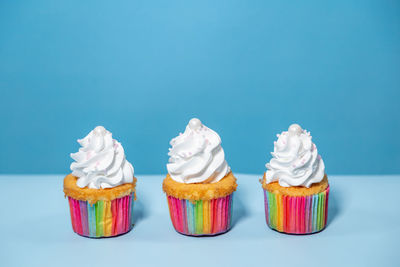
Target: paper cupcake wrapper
x,y
102,219
296,215
202,217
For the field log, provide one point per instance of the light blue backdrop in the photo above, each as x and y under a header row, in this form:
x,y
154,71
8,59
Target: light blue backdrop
x,y
248,69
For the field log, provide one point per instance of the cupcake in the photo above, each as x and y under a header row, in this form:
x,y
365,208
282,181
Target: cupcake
x,y
101,187
296,188
199,184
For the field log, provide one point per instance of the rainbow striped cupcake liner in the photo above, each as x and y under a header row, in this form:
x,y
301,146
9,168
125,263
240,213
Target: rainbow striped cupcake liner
x,y
296,215
201,217
102,219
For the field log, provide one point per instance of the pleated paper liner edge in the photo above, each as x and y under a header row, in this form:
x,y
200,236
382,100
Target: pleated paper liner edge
x,y
102,219
296,214
201,217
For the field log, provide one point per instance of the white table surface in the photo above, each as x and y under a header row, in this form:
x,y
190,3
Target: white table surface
x,y
363,229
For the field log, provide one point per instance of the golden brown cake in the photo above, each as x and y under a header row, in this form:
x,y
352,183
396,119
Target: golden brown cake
x,y
200,191
275,188
94,195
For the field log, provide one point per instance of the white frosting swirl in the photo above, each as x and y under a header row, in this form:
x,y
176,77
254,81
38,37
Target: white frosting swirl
x,y
101,162
295,160
196,155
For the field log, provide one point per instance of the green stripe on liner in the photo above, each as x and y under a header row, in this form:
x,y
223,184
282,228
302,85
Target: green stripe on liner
x,y
273,210
322,209
99,218
320,213
196,224
96,210
199,217
92,219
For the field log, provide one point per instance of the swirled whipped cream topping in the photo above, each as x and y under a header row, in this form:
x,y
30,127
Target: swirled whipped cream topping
x,y
196,155
101,162
295,160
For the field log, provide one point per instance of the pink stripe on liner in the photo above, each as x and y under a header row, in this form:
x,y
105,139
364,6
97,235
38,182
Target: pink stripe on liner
x,y
266,205
212,216
128,219
178,214
120,220
175,211
221,224
287,212
174,208
284,224
298,215
123,207
78,220
125,214
292,214
218,216
124,217
120,216
72,212
215,215
301,215
171,205
227,212
114,210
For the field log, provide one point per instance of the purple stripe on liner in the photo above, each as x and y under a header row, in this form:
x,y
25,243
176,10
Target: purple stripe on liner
x,y
84,217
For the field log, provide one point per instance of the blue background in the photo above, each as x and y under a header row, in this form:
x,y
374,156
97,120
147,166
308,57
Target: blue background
x,y
247,69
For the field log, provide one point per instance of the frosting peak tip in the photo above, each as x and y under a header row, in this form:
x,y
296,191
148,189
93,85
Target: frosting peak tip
x,y
99,130
195,124
295,129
